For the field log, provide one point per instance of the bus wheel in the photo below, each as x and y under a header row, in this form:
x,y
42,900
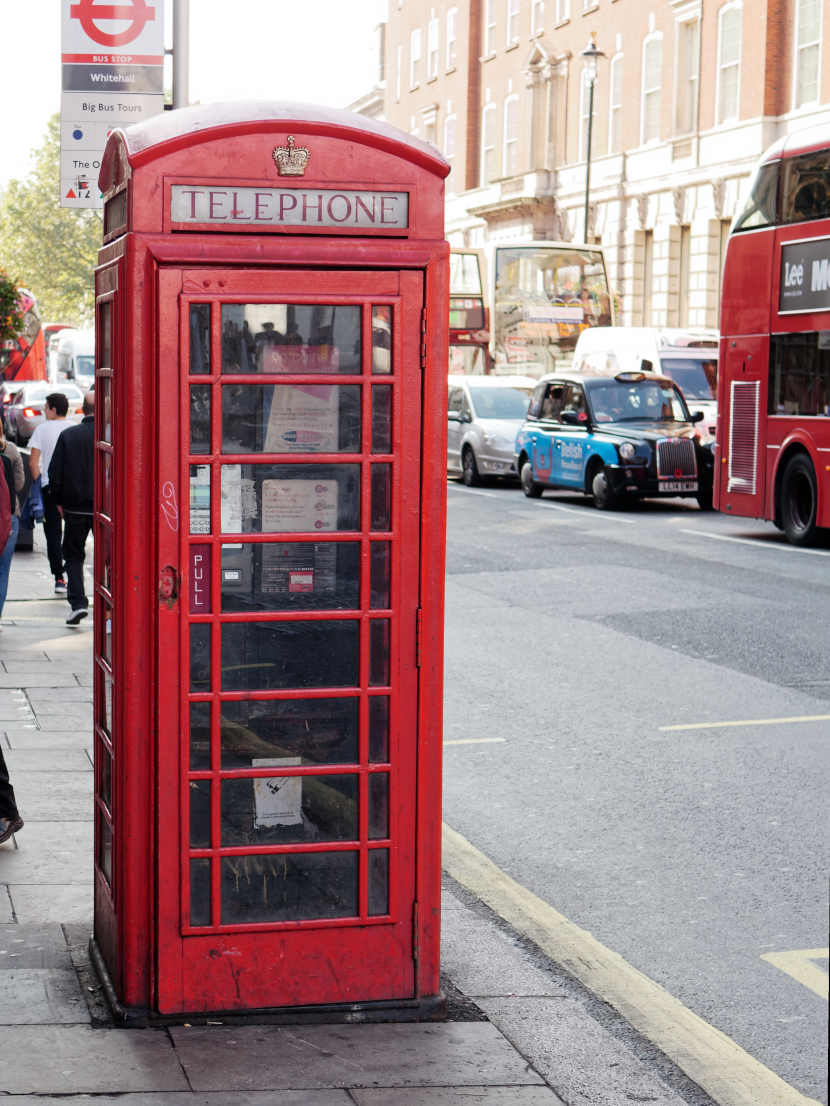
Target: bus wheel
x,y
470,476
799,501
604,498
529,486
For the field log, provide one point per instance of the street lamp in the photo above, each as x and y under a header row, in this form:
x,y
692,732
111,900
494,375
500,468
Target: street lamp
x,y
591,56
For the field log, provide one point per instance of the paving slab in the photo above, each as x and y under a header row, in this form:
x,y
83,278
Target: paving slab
x,y
33,946
51,739
51,902
77,1059
208,1098
452,1096
46,760
64,797
49,853
268,1057
37,679
66,720
41,996
48,707
6,912
61,695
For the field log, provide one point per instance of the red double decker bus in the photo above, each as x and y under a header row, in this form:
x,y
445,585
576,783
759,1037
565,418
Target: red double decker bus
x,y
773,440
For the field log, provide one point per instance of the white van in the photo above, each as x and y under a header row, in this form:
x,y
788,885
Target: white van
x,y
689,357
76,358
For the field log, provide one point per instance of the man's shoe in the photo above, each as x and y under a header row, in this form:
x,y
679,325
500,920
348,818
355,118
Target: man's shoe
x,y
60,586
77,616
8,826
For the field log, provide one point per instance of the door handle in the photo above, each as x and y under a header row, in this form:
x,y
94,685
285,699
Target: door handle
x,y
169,586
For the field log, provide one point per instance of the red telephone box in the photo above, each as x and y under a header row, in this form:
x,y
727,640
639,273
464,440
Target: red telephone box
x,y
269,556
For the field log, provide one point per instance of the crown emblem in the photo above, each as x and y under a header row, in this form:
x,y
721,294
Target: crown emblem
x,y
291,160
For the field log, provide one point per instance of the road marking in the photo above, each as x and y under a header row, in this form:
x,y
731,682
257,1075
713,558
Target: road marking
x,y
748,722
757,545
799,965
470,491
586,514
724,1070
476,741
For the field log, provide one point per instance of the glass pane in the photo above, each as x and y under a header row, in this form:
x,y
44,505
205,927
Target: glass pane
x,y
298,576
314,731
289,887
378,806
106,702
382,418
104,539
381,339
381,497
200,892
103,391
289,418
105,330
200,418
271,655
106,631
199,736
379,729
200,338
290,338
200,814
200,656
104,759
270,499
105,848
379,652
378,882
379,575
106,483
200,499
268,810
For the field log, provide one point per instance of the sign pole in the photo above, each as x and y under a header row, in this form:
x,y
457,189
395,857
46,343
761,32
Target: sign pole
x,y
181,53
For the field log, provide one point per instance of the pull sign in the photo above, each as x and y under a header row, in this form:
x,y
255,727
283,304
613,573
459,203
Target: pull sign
x,y
418,638
168,586
200,579
423,338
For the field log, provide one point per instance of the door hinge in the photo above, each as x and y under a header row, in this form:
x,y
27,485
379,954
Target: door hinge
x,y
418,637
415,930
423,338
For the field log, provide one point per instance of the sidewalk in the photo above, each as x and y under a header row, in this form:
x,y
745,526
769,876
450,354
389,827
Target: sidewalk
x,y
522,1033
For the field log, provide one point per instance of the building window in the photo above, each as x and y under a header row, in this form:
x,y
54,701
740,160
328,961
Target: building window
x,y
563,10
511,136
808,42
685,273
488,145
648,277
652,84
452,37
380,47
489,27
512,21
729,62
688,76
398,74
615,112
414,57
537,15
432,49
449,150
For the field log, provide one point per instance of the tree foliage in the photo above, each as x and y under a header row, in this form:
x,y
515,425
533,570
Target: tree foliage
x,y
11,314
48,249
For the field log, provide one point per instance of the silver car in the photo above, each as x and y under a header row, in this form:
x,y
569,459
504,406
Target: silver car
x,y
485,415
28,406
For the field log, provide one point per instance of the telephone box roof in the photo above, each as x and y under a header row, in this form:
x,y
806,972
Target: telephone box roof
x,y
176,130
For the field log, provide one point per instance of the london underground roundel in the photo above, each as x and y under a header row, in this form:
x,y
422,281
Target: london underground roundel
x,y
90,14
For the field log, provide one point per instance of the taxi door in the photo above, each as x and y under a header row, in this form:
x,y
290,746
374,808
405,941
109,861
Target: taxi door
x,y
570,446
289,474
544,432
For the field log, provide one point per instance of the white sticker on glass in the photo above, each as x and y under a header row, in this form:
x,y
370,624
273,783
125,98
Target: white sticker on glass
x,y
278,798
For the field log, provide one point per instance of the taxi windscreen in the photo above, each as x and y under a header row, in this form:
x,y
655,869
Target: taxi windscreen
x,y
697,378
644,401
500,403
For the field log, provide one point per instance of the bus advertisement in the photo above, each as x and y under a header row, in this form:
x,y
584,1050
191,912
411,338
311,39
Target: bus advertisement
x,y
24,357
773,440
469,313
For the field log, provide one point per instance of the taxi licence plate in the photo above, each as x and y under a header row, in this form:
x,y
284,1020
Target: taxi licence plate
x,y
678,485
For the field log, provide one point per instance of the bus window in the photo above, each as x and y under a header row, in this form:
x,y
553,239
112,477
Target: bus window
x,y
799,374
806,187
465,278
545,296
760,207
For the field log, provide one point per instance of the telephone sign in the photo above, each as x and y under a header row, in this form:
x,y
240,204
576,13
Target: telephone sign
x,y
269,543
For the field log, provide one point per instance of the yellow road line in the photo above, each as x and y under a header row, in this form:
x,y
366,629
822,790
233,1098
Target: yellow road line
x,y
799,965
724,1070
476,741
748,722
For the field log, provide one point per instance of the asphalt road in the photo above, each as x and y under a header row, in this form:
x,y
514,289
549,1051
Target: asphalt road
x,y
575,635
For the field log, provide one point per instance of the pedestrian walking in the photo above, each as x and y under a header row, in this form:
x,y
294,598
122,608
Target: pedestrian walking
x,y
42,444
71,473
10,820
15,479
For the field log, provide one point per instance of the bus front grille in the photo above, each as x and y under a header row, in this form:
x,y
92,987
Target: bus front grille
x,y
676,459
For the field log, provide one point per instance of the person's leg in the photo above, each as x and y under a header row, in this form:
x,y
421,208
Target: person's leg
x,y
6,561
8,806
52,523
76,531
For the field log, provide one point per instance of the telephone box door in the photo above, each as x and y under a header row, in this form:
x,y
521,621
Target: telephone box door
x,y
288,556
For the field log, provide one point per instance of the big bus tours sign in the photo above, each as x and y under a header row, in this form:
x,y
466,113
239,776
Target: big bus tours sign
x,y
112,57
805,277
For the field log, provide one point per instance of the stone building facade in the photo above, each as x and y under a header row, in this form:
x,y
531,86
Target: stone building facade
x,y
687,98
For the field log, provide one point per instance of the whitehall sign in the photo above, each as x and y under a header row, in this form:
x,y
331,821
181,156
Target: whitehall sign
x,y
289,207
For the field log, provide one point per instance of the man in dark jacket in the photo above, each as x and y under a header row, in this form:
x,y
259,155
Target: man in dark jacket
x,y
71,473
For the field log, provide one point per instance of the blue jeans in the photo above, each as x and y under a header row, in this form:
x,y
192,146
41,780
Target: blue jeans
x,y
6,561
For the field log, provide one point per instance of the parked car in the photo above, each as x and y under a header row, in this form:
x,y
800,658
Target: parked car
x,y
689,356
484,416
26,410
613,436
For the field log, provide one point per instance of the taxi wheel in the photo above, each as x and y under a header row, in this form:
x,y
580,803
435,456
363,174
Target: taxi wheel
x,y
604,498
799,501
529,486
470,475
